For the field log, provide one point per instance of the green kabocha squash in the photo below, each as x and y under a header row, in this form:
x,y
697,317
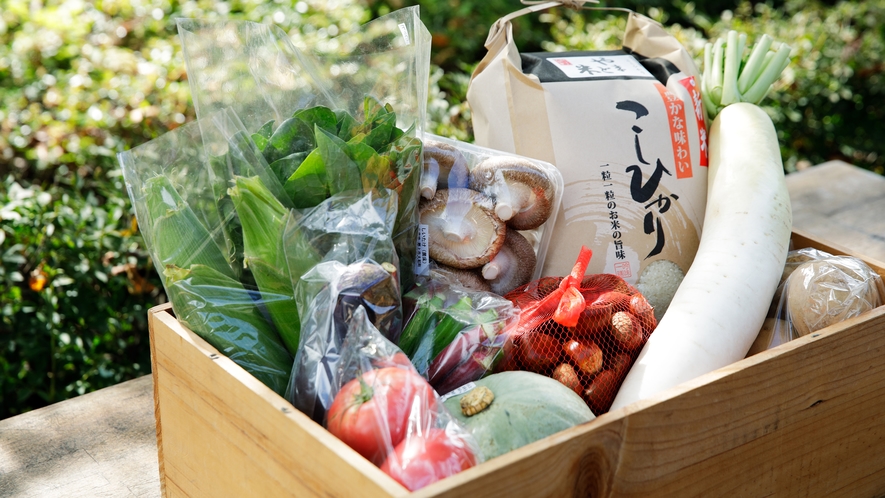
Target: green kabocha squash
x,y
508,410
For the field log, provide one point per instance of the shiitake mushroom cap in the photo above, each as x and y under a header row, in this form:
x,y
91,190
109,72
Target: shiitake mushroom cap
x,y
523,191
512,266
463,229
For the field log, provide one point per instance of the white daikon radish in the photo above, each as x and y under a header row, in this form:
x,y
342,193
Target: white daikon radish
x,y
719,308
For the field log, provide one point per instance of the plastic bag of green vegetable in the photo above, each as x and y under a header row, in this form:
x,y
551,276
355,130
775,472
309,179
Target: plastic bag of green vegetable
x,y
344,116
454,334
186,228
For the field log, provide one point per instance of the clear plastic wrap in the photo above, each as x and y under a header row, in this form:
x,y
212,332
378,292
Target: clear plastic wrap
x,y
584,330
454,335
389,414
817,289
487,214
187,224
341,257
327,121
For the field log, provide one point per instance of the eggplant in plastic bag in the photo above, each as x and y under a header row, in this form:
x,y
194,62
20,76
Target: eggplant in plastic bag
x,y
328,296
352,234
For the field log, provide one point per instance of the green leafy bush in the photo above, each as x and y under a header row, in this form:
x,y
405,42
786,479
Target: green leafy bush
x,y
74,292
79,82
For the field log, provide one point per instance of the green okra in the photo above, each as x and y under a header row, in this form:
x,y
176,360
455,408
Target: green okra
x,y
449,322
422,323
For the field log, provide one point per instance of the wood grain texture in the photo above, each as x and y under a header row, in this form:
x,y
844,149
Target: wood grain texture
x,y
841,203
806,418
95,445
223,433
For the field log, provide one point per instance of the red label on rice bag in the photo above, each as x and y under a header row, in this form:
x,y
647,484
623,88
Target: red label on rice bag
x,y
678,132
690,84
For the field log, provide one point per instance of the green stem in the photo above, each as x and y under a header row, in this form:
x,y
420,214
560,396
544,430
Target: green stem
x,y
769,75
754,63
726,80
730,93
718,52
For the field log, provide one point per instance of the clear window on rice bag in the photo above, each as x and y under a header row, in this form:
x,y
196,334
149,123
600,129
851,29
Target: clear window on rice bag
x,y
485,216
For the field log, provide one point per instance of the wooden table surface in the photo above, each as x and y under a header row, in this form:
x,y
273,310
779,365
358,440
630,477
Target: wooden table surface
x,y
103,444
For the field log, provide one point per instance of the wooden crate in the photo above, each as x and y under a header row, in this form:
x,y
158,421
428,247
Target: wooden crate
x,y
805,418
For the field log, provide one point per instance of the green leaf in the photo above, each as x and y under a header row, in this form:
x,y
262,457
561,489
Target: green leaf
x,y
347,125
307,185
375,170
260,141
293,135
286,166
266,130
379,136
342,173
318,116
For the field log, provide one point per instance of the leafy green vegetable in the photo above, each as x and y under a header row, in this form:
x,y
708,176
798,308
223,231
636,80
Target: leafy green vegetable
x,y
264,220
220,310
285,167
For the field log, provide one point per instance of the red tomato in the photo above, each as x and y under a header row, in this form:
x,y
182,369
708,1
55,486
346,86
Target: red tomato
x,y
399,359
423,459
371,413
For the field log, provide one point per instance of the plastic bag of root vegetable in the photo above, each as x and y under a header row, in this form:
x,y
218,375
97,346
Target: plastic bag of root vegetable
x,y
487,215
389,414
343,116
455,335
817,289
188,229
583,330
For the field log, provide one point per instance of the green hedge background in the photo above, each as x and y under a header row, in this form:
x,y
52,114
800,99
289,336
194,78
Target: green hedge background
x,y
81,81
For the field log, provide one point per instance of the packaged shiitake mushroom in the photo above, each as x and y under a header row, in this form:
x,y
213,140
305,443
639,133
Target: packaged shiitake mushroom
x,y
817,289
485,215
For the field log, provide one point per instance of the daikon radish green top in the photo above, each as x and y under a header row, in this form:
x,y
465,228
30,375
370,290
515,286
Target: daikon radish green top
x,y
721,304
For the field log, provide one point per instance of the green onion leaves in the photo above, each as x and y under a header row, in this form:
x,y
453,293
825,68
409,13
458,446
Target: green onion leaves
x,y
729,79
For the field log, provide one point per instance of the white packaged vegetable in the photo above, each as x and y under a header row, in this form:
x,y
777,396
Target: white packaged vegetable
x,y
719,308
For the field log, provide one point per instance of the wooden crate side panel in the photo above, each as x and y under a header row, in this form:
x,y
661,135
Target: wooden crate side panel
x,y
787,426
803,418
806,418
804,239
152,322
226,434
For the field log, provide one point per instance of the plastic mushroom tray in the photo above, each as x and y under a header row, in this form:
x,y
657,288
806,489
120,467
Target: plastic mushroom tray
x,y
487,215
